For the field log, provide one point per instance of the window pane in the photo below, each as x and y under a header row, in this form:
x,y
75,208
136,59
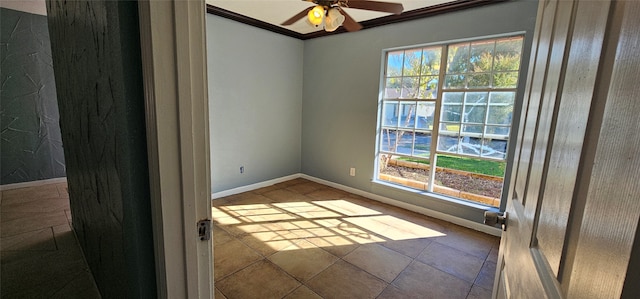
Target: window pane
x,y
428,87
431,61
449,128
448,143
452,106
425,115
451,112
474,114
394,63
454,81
475,107
479,81
407,114
495,148
405,142
422,145
390,115
505,80
481,56
473,98
500,108
496,130
472,129
458,60
388,140
410,87
392,88
508,54
470,145
412,62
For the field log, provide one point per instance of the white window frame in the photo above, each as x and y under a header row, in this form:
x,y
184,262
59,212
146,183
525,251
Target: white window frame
x,y
435,131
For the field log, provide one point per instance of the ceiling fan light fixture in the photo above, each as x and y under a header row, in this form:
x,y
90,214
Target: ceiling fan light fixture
x,y
316,15
333,20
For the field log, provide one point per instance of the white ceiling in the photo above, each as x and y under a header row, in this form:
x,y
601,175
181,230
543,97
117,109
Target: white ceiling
x,y
277,11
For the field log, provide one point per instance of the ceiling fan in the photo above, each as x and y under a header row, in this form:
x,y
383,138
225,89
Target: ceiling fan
x,y
331,13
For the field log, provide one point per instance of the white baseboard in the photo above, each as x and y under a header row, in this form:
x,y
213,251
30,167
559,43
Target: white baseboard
x,y
255,186
424,211
32,183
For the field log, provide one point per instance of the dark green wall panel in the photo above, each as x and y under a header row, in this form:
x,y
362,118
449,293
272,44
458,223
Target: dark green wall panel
x,y
30,143
96,57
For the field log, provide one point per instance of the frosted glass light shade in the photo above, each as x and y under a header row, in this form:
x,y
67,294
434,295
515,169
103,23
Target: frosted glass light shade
x,y
333,20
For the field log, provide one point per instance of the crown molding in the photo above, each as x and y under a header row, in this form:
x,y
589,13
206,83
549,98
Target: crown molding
x,y
392,19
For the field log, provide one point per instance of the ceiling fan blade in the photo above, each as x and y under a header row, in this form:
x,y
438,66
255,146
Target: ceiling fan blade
x,y
349,23
297,17
394,8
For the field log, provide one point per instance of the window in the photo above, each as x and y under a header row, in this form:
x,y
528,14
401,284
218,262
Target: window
x,y
451,106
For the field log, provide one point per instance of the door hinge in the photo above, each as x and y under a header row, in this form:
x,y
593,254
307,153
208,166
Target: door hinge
x,y
204,229
494,218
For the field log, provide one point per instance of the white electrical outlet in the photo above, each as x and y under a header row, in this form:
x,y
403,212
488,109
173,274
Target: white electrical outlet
x,y
352,171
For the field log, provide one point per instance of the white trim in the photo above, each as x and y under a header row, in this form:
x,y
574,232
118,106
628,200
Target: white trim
x,y
172,39
33,183
424,211
255,186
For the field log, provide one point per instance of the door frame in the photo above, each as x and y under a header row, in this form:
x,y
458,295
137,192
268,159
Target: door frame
x,y
173,48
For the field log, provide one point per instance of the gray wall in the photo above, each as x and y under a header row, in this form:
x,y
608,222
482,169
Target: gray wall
x,y
30,141
341,86
255,93
98,69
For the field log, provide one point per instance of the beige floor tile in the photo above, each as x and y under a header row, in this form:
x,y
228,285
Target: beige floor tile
x,y
25,194
411,247
267,243
487,275
34,240
17,223
220,236
63,190
24,274
218,294
380,261
392,292
231,257
479,293
327,193
81,286
346,208
267,189
336,245
475,243
455,262
302,292
283,195
305,188
303,260
37,206
260,280
343,280
419,278
241,229
493,254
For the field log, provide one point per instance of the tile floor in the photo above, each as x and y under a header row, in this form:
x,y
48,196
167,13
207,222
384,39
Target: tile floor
x,y
300,239
40,255
297,239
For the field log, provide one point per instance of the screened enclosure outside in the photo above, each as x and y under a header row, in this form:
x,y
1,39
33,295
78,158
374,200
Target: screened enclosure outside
x,y
451,106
